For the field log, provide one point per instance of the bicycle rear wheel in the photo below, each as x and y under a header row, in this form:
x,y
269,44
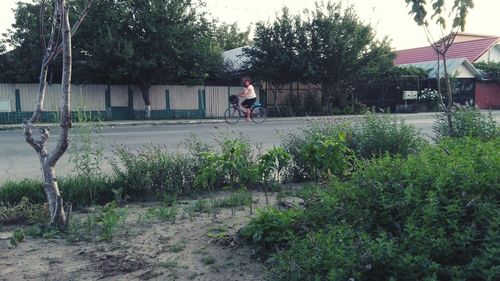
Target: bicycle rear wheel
x,y
259,114
232,115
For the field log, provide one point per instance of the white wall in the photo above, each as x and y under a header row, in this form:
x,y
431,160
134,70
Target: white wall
x,y
492,55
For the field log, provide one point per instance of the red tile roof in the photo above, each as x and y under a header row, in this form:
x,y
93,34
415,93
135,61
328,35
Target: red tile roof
x,y
471,50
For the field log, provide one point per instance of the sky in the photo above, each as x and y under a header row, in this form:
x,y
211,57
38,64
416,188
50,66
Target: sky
x,y
389,17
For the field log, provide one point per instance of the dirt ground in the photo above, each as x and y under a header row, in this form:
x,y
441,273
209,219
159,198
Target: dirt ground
x,y
189,249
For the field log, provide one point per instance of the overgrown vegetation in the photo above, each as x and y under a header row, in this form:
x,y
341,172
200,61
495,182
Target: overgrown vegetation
x,y
432,215
468,121
388,205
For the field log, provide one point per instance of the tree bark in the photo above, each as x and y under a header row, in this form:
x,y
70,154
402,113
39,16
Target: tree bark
x,y
60,27
147,100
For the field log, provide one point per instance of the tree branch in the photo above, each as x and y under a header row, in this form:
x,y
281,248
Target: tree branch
x,y
76,25
65,110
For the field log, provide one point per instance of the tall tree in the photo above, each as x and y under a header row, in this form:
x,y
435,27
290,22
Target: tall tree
x,y
441,15
275,51
328,47
137,42
146,42
52,47
340,49
23,42
229,36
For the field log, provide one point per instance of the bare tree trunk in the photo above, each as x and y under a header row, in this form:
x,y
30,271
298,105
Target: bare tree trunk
x,y
449,94
60,26
147,100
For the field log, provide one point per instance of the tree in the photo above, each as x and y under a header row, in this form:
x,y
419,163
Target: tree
x,y
24,38
124,41
275,52
328,47
228,36
144,42
458,14
340,49
490,70
51,48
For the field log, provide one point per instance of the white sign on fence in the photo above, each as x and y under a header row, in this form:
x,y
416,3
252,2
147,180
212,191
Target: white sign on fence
x,y
410,95
5,105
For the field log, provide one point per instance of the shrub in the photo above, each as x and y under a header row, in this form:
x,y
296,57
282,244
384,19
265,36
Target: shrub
x,y
340,253
430,216
327,156
271,229
150,172
294,142
12,192
376,135
83,191
467,121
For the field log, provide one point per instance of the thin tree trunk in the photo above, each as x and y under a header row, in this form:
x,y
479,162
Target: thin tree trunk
x,y
48,161
147,100
449,94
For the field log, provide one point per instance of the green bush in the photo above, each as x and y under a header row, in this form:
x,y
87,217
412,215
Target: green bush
x,y
467,121
376,135
294,142
339,253
83,191
151,171
12,192
431,216
271,229
327,156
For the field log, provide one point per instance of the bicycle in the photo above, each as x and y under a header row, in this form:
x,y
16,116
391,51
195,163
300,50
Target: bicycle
x,y
233,113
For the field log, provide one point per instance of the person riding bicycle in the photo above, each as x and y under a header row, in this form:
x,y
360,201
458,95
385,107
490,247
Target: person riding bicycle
x,y
249,97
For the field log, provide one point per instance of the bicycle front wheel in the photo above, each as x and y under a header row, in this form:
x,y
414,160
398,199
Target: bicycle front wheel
x,y
232,115
259,115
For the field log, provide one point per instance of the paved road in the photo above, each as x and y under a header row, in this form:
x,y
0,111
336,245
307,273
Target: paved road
x,y
18,160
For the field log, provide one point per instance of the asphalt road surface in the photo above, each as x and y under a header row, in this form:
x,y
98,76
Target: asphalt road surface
x,y
18,160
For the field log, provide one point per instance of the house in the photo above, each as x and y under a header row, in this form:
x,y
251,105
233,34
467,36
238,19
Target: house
x,y
466,50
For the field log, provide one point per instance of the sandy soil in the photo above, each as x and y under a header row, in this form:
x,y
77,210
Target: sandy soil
x,y
152,250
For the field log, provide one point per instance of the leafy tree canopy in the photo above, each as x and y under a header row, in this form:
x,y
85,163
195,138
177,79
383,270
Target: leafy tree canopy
x,y
490,70
229,36
328,46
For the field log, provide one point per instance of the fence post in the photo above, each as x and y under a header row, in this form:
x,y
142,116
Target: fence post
x,y
201,103
18,100
107,103
167,104
130,103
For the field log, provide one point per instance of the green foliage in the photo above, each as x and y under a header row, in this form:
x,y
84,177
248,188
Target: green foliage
x,y
423,13
272,163
111,219
490,70
311,46
151,171
236,162
75,189
101,225
23,212
86,154
12,192
467,121
17,237
327,156
295,142
228,36
375,135
430,216
270,229
130,41
339,253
